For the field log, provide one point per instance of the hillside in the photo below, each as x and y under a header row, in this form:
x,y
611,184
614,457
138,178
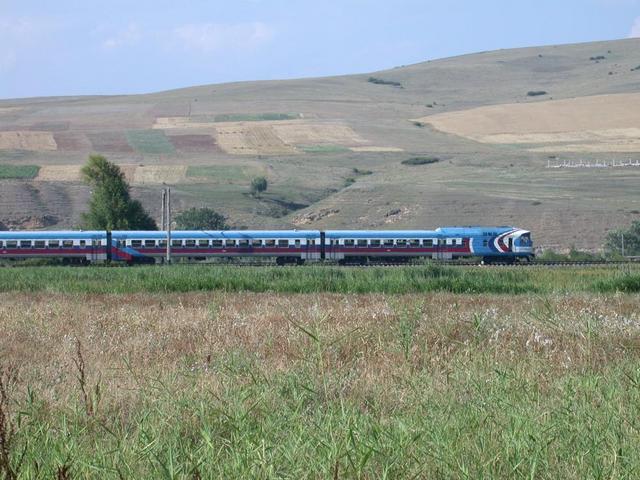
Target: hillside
x,y
332,147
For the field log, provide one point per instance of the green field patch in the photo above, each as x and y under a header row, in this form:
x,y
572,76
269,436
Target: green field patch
x,y
222,173
150,141
329,148
248,117
18,171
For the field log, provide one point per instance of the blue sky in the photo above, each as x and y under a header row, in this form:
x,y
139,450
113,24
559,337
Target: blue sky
x,y
73,47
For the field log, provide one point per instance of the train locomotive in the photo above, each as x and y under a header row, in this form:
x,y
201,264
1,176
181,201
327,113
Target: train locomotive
x,y
491,244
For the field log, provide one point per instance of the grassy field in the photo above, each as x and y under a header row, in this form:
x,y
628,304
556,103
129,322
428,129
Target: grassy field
x,y
227,385
18,171
320,279
150,141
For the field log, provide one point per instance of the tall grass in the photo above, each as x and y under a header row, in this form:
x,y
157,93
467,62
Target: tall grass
x,y
315,279
323,386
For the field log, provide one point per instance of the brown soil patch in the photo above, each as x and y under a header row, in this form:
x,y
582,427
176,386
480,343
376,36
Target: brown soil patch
x,y
604,122
251,139
168,123
72,142
193,143
49,127
114,142
60,173
160,174
24,140
299,133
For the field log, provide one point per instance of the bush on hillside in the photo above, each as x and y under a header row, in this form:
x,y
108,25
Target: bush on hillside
x,y
536,93
381,81
420,160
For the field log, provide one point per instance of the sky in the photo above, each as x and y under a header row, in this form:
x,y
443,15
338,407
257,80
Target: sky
x,y
84,47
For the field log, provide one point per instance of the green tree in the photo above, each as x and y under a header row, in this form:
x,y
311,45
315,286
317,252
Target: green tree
x,y
613,243
111,206
201,219
258,185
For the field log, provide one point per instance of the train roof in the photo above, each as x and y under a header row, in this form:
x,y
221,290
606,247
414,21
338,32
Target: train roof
x,y
219,234
449,231
50,234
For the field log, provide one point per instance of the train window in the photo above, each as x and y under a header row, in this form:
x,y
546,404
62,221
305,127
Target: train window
x,y
374,243
136,243
427,242
149,243
256,242
67,243
283,243
362,242
54,243
414,242
311,242
269,243
401,242
216,243
388,242
189,243
229,243
176,243
485,242
243,243
297,242
83,243
349,242
162,243
38,244
203,243
25,243
12,243
1,244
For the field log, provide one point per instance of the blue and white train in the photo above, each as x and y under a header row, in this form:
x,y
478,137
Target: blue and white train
x,y
491,244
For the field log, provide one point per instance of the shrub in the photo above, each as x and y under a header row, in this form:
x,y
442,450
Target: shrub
x,y
201,219
357,171
258,185
597,58
381,81
420,160
536,93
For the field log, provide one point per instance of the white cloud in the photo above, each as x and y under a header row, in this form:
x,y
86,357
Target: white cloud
x,y
18,35
127,37
635,29
210,37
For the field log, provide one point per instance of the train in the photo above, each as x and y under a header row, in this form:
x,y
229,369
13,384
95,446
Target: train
x,y
490,244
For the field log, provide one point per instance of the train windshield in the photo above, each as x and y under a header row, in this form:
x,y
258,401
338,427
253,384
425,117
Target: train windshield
x,y
525,239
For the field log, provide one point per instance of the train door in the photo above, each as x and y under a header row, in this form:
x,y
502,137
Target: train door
x,y
94,252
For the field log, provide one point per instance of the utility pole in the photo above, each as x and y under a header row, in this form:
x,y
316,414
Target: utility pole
x,y
163,214
168,225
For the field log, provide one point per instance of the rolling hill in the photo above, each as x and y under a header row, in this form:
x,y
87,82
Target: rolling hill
x,y
332,148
